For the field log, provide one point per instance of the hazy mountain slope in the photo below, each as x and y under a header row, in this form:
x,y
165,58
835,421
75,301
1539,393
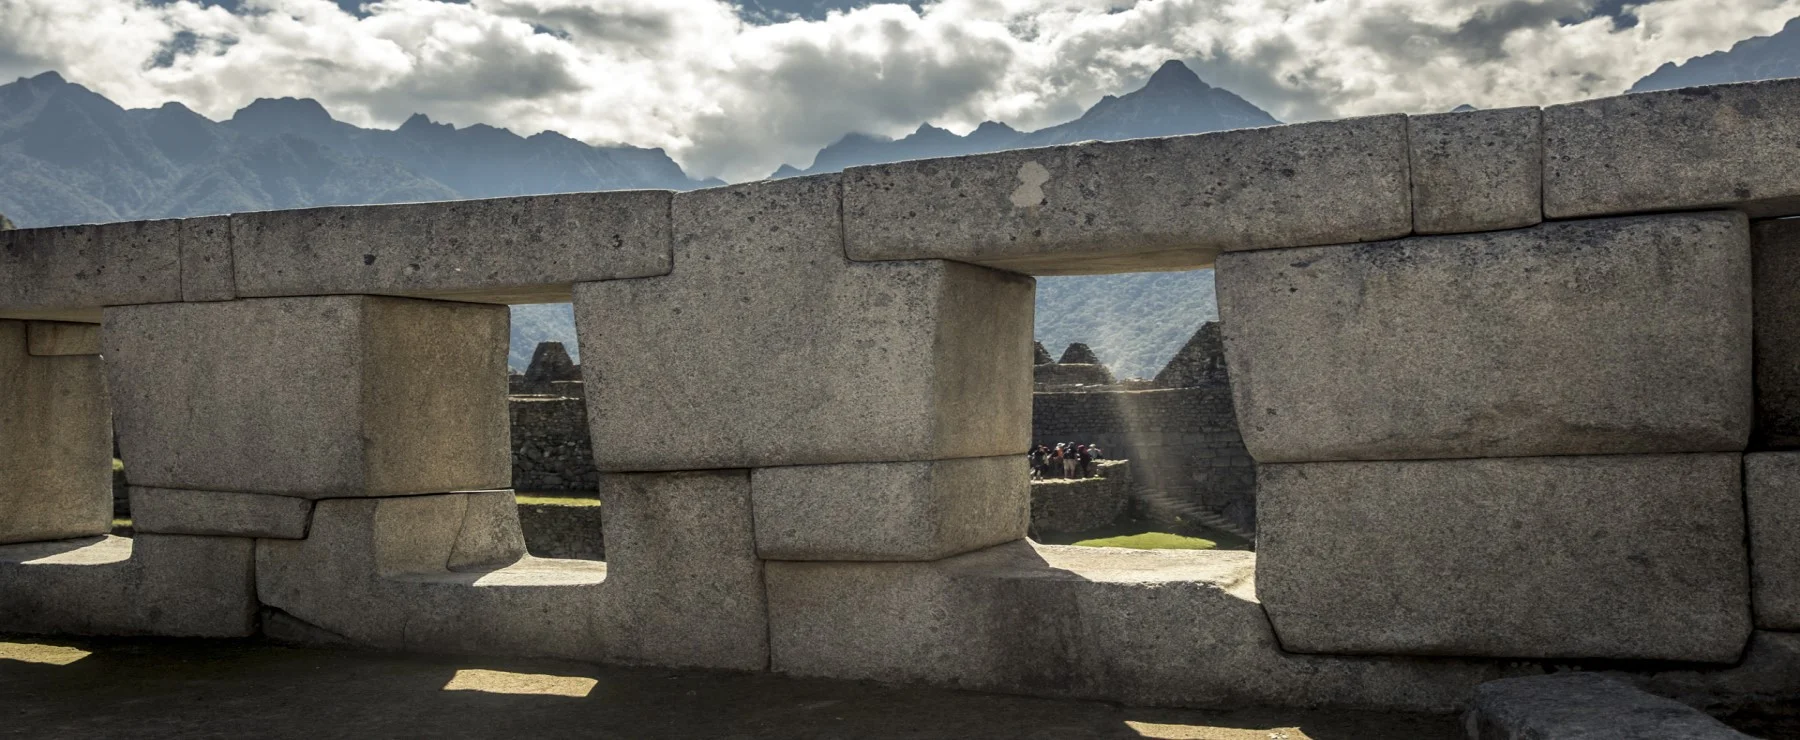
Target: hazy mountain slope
x,y
1758,58
1134,322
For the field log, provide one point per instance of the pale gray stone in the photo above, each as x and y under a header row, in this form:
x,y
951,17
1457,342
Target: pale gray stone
x,y
1145,204
219,514
60,338
152,584
1147,627
765,347
1627,557
1720,146
490,536
1476,170
502,250
67,273
206,271
1772,503
1776,246
889,511
55,443
1629,335
312,397
1583,705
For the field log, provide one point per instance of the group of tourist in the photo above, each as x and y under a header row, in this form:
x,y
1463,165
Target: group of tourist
x,y
1065,460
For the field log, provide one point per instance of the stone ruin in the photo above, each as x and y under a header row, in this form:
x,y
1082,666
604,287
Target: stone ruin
x,y
1499,371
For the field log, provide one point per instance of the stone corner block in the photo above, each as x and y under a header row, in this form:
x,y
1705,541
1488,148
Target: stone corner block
x,y
1584,705
61,338
206,271
152,584
1772,502
1145,204
1719,146
1477,170
889,511
219,514
55,443
67,273
315,397
1607,336
1604,557
766,347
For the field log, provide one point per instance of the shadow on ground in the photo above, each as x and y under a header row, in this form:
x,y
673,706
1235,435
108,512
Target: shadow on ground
x,y
218,689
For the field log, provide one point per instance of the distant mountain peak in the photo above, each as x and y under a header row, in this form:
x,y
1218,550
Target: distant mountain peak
x,y
420,122
1464,108
294,109
48,78
1173,75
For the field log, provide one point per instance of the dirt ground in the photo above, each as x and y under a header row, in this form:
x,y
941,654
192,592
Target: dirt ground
x,y
57,688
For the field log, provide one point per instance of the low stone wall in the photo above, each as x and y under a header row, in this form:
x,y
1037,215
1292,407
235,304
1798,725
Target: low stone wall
x,y
550,447
1182,441
562,531
1062,505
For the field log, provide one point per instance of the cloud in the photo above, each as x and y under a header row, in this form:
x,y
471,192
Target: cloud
x,y
734,91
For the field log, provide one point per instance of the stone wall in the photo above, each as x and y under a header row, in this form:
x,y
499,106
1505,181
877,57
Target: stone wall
x,y
1182,441
1063,505
562,531
550,447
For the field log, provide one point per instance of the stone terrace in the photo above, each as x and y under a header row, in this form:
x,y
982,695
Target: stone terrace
x,y
1499,371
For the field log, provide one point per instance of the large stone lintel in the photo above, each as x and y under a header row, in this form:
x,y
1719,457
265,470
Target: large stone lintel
x,y
219,514
66,273
1476,170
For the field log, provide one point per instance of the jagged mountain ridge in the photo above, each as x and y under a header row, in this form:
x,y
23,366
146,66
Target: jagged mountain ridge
x,y
1757,58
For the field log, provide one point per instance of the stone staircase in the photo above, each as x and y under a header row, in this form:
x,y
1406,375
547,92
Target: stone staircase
x,y
1166,506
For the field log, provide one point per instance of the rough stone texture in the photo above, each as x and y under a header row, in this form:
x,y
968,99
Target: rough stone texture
x,y
1200,362
1772,504
312,397
1626,335
1146,204
1079,354
490,536
206,271
1137,626
1040,356
1704,147
889,511
66,273
1776,245
60,338
502,250
1634,556
1583,705
559,531
1062,506
1476,170
167,585
55,443
1062,375
766,347
551,451
215,513
1770,671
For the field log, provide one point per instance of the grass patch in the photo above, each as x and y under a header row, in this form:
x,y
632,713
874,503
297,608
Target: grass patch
x,y
526,499
118,465
1151,541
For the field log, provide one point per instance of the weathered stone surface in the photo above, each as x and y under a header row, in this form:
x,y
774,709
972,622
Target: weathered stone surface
x,y
1626,335
55,444
503,250
1146,204
219,514
1477,170
60,338
1138,626
1776,245
1720,146
490,536
311,397
889,511
766,347
206,271
1772,503
1770,670
1633,556
66,273
1068,506
166,585
1583,705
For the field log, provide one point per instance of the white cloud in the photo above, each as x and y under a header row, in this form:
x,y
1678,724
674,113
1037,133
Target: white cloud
x,y
728,97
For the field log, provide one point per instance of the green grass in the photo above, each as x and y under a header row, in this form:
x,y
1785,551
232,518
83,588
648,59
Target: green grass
x,y
526,499
118,465
1151,541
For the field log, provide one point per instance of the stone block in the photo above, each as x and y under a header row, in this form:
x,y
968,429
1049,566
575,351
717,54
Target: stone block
x,y
55,443
1584,705
1772,504
1607,557
219,514
1476,171
61,338
66,273
490,536
1776,246
206,271
313,397
501,250
152,584
1610,336
1145,627
1146,204
1720,146
889,511
765,347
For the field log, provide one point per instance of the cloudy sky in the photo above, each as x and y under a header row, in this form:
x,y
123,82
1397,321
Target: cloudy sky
x,y
733,89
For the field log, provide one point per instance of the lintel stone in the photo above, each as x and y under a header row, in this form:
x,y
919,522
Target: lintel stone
x,y
206,272
220,514
67,273
889,511
1147,204
1476,170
